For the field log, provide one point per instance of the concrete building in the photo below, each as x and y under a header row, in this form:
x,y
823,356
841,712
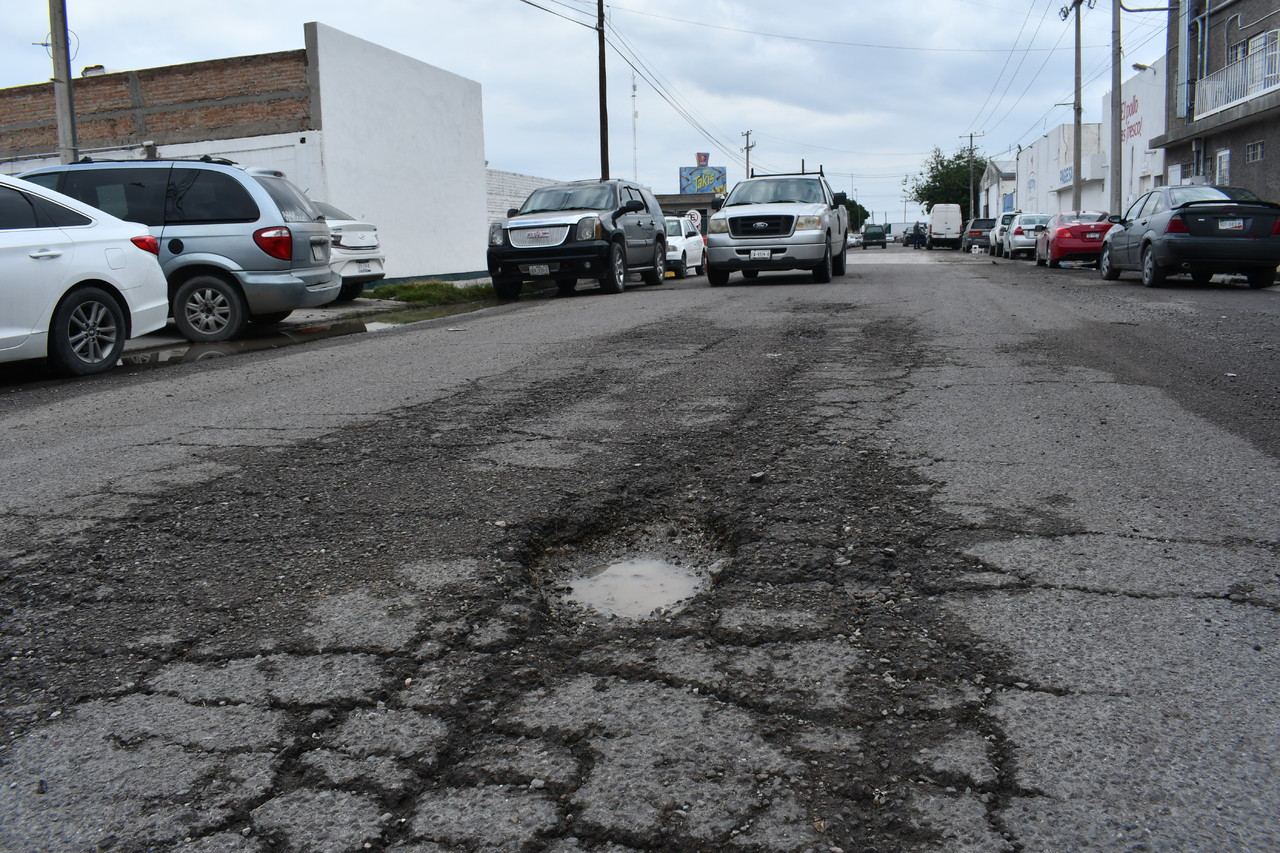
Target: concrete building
x,y
383,136
1142,117
1223,94
1045,171
998,188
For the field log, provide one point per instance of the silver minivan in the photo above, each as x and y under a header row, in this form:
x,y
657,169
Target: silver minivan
x,y
236,245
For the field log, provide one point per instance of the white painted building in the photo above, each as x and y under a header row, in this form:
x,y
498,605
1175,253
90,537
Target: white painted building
x,y
1045,171
1142,118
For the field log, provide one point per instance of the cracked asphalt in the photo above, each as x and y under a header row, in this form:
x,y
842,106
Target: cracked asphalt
x,y
988,552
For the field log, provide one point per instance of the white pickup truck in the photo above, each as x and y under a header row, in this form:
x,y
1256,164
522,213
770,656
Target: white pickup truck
x,y
778,222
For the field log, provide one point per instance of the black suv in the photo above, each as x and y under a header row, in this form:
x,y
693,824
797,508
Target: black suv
x,y
873,235
598,230
236,245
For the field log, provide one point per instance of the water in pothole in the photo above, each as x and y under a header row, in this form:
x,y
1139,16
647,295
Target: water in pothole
x,y
636,588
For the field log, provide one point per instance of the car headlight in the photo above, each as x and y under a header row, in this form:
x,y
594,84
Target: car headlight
x,y
718,226
589,228
808,223
495,234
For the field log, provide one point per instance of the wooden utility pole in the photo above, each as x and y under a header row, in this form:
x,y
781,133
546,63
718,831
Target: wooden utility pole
x,y
604,98
747,149
63,103
1078,109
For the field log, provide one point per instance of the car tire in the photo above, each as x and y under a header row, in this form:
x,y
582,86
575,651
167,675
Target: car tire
x,y
1108,270
1053,262
87,333
838,263
1259,279
681,268
1039,260
207,309
822,272
507,288
566,286
350,290
614,279
1152,274
268,319
658,272
717,277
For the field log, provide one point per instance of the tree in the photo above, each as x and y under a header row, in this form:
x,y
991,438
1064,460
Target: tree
x,y
945,180
857,214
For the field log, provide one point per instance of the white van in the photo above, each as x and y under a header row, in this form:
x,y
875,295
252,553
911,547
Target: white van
x,y
944,226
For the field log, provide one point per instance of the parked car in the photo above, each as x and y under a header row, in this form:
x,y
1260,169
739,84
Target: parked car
x,y
854,240
686,247
995,237
236,245
75,283
873,235
354,252
1074,236
1020,236
916,236
1199,230
601,230
975,234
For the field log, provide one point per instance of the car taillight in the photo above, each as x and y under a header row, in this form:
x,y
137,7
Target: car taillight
x,y
1017,232
1175,226
276,242
1063,233
147,244
1275,229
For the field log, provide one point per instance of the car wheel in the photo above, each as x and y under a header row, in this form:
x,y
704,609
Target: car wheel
x,y
208,309
507,288
566,286
717,277
268,319
1054,263
1039,260
1152,274
681,268
864,247
1106,268
838,262
614,279
1259,279
1201,278
659,270
822,272
350,290
87,333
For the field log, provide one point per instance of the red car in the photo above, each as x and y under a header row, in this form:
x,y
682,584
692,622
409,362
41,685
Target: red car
x,y
1073,236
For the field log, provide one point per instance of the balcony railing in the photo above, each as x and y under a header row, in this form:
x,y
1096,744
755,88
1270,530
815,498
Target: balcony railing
x,y
1254,75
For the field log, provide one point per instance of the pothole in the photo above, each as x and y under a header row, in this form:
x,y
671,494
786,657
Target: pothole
x,y
641,572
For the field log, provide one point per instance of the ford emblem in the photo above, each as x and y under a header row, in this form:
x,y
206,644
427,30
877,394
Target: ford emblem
x,y
759,224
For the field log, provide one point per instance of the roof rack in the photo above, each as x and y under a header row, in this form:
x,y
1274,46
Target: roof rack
x,y
756,174
206,158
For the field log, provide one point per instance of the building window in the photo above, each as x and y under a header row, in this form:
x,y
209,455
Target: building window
x,y
1222,164
1253,152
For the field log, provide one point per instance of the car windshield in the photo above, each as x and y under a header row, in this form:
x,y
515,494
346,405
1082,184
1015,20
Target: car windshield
x,y
589,197
771,191
1082,216
873,231
674,228
1033,220
1182,195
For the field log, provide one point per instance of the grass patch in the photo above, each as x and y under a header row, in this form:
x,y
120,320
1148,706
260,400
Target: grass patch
x,y
431,292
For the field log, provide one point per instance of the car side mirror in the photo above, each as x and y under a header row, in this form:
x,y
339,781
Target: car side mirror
x,y
717,203
841,198
634,205
1039,228
513,211
1115,220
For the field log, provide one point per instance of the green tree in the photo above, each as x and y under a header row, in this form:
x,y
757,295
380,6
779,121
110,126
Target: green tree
x,y
857,214
945,180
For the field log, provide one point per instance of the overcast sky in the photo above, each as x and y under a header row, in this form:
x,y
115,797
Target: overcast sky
x,y
861,87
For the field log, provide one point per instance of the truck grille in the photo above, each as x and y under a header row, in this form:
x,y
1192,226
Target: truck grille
x,y
761,226
542,235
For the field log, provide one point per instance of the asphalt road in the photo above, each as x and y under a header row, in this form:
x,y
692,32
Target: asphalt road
x,y
946,555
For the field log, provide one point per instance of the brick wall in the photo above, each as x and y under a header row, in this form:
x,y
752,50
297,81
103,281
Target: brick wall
x,y
507,190
220,99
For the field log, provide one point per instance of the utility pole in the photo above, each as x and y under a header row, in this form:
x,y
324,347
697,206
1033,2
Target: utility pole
x,y
604,100
1065,13
1117,141
971,196
635,114
747,149
64,104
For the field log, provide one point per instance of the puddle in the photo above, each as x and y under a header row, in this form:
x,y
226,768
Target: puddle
x,y
636,588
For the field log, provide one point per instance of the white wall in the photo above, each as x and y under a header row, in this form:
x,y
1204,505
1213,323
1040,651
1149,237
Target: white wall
x,y
1045,172
1142,118
404,148
506,190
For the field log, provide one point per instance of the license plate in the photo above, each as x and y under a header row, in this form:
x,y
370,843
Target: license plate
x,y
317,252
761,254
1091,235
539,269
1230,224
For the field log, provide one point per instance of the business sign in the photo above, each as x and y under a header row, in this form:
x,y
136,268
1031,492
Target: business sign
x,y
703,179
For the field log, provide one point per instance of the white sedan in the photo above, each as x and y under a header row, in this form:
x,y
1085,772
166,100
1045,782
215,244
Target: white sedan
x,y
685,246
75,283
355,254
